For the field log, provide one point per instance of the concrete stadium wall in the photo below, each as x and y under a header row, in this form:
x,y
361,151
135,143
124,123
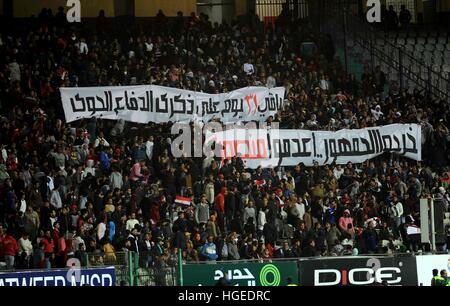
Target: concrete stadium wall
x,y
149,8
241,7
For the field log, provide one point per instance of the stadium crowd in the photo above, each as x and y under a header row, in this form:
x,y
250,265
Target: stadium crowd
x,y
99,187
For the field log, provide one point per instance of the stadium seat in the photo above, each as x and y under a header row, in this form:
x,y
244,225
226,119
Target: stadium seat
x,y
437,60
401,41
411,41
447,55
420,48
418,54
429,47
442,40
446,68
409,48
436,68
440,47
428,57
421,40
432,40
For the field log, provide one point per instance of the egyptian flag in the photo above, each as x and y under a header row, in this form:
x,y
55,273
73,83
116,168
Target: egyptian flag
x,y
183,201
260,183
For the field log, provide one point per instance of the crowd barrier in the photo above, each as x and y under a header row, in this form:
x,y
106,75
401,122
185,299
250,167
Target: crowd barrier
x,y
104,277
399,270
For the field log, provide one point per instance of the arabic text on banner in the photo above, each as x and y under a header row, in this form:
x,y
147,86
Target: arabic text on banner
x,y
150,103
271,148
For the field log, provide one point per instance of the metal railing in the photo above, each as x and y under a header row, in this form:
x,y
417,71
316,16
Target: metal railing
x,y
298,9
407,66
133,269
409,69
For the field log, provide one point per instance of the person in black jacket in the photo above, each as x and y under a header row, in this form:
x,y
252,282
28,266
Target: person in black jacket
x,y
297,248
285,251
301,234
132,240
320,238
229,207
310,250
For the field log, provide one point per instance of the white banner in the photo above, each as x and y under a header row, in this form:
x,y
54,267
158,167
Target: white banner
x,y
271,148
150,103
426,264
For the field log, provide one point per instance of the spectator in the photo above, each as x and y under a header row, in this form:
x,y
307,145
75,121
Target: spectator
x,y
392,18
73,175
346,223
405,17
202,211
209,250
371,238
10,249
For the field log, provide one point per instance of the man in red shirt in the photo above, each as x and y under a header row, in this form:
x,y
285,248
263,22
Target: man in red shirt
x,y
220,207
10,249
2,237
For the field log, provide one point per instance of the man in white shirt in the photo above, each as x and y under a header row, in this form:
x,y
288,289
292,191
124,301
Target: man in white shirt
x,y
25,245
324,84
377,113
131,222
82,46
261,220
248,68
101,230
396,213
14,71
149,148
338,171
101,141
55,198
299,205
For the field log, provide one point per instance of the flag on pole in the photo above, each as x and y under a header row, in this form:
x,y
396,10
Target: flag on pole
x,y
183,201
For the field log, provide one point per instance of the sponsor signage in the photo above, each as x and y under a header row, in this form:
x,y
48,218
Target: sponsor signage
x,y
358,271
240,274
104,277
426,264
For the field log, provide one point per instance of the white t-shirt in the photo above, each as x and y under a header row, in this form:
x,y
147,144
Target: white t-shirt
x,y
248,68
101,229
23,206
300,209
131,223
83,47
261,220
377,114
337,173
149,149
323,84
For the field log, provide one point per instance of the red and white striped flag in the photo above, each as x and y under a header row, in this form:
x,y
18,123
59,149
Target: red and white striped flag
x,y
183,201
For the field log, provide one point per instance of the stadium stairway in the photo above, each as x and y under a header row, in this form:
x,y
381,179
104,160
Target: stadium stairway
x,y
354,66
